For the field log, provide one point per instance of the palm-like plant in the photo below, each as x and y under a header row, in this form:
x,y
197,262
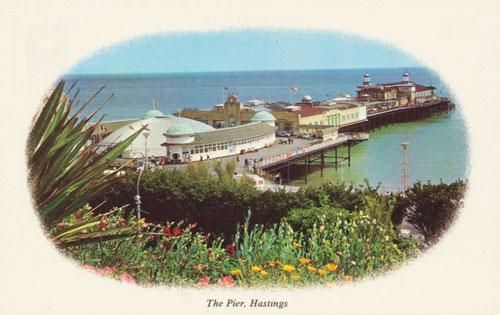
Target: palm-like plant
x,y
64,171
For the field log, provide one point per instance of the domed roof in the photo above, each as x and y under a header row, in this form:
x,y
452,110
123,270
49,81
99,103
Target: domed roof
x,y
263,116
366,74
179,130
307,98
153,113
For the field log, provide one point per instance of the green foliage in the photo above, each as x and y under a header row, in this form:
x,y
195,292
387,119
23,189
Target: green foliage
x,y
355,241
432,209
224,171
354,247
64,172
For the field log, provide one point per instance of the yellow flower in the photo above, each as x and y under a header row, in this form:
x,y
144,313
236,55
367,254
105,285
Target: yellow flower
x,y
235,272
331,267
321,272
256,269
348,278
289,268
278,262
264,273
295,277
272,263
297,245
304,261
311,269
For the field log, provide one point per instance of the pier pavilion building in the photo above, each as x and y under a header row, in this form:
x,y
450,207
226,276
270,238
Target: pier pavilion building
x,y
403,93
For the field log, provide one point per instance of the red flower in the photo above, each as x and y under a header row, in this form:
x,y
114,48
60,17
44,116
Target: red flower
x,y
152,237
207,237
219,257
230,249
195,224
313,261
102,225
166,245
185,261
105,217
122,222
367,247
177,231
167,232
204,281
77,215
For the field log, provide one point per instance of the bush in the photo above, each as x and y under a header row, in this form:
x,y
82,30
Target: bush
x,y
432,209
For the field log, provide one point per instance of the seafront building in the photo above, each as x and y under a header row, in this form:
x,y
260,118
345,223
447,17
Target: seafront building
x,y
182,140
290,118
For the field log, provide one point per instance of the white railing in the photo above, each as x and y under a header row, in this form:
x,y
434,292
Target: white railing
x,y
343,137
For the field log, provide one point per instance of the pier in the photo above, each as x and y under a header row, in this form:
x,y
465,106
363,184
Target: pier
x,y
384,117
315,153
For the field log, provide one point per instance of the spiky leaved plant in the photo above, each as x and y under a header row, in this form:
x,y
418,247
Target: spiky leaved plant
x,y
64,171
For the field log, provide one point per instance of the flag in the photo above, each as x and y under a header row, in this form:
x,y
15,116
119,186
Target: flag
x,y
294,89
145,126
157,104
341,93
104,129
226,88
130,127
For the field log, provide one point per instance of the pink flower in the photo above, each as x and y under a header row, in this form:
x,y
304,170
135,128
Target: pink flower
x,y
177,231
227,281
89,268
367,247
195,224
204,281
106,271
152,237
126,277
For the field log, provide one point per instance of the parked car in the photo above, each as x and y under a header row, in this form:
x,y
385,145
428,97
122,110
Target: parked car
x,y
306,136
283,133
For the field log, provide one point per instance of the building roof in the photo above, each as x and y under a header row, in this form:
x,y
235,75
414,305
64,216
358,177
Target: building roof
x,y
152,113
157,127
308,110
263,116
420,88
254,129
179,130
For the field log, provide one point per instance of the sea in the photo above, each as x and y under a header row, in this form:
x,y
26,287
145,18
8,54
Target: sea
x,y
438,148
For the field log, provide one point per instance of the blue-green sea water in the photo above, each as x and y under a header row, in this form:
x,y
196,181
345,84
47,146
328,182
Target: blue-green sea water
x,y
438,149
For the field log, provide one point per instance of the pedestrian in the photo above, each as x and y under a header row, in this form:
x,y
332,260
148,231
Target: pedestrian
x,y
237,158
208,157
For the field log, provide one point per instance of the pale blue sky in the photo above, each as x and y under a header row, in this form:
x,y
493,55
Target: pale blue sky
x,y
242,50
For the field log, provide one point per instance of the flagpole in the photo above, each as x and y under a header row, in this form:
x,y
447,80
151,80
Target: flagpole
x,y
223,94
291,97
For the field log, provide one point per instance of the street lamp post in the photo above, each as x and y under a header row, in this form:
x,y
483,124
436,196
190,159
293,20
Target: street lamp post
x,y
146,135
137,197
405,145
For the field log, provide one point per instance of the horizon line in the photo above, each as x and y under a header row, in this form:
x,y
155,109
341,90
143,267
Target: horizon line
x,y
228,71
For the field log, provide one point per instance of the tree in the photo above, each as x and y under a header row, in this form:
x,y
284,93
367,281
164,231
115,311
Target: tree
x,y
432,209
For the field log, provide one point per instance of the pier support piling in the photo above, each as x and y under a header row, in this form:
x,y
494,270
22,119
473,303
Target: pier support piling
x,y
349,155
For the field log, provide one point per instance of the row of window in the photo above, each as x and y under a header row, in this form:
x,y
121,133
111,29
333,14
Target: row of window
x,y
221,145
